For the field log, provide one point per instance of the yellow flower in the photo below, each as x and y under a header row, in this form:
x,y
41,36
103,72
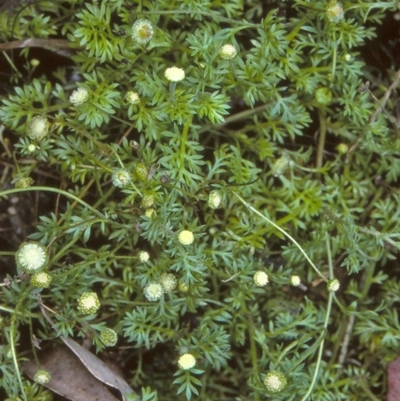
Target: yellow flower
x,y
261,278
186,361
185,237
174,74
228,52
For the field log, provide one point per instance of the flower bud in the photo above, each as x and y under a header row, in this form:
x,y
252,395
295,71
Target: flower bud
x,y
323,96
275,381
333,285
132,97
108,337
41,280
168,282
42,376
214,199
88,303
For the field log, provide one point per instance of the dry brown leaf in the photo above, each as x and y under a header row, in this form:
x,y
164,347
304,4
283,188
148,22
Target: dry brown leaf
x,y
69,377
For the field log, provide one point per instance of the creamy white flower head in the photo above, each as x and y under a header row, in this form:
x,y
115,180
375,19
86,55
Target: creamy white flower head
x,y
88,303
142,31
185,237
31,257
334,11
42,377
108,337
121,177
228,52
144,256
32,148
41,280
260,278
174,74
187,361
275,381
38,128
132,97
295,280
333,285
153,291
168,282
79,96
214,199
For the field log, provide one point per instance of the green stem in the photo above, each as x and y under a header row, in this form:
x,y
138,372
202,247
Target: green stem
x,y
12,344
283,232
328,312
184,140
334,56
57,191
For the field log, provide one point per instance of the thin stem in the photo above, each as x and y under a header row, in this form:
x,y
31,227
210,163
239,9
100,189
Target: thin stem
x,y
284,233
57,191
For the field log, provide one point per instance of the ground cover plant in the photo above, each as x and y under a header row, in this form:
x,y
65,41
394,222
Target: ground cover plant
x,y
204,192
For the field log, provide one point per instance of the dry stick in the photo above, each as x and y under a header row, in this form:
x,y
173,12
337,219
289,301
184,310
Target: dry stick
x,y
60,46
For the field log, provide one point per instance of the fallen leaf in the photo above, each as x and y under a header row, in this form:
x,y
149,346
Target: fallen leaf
x,y
69,377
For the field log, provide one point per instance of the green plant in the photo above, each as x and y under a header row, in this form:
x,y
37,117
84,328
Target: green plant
x,y
176,161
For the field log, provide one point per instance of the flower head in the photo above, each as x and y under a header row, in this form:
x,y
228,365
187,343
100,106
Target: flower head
x,y
31,257
185,237
260,278
333,285
79,96
144,256
295,281
141,171
108,337
168,282
228,52
142,31
147,201
42,377
275,381
132,97
150,213
88,303
38,128
342,148
41,280
183,287
186,361
323,96
153,291
214,199
334,11
121,177
174,74
23,182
